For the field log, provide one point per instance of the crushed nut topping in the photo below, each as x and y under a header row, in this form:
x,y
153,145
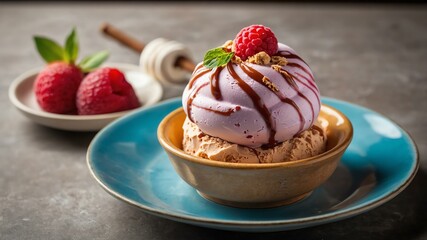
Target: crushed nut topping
x,y
289,77
228,45
269,84
261,58
279,60
279,69
236,60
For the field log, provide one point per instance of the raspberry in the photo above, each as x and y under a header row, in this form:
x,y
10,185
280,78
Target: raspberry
x,y
254,39
104,91
56,86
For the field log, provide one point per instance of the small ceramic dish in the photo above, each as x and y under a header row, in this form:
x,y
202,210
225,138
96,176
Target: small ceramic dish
x,y
256,185
21,94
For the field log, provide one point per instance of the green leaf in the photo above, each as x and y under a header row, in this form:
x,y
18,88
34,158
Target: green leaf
x,y
93,61
72,47
49,50
217,57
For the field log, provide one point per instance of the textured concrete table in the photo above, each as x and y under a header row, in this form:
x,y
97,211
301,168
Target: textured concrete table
x,y
375,56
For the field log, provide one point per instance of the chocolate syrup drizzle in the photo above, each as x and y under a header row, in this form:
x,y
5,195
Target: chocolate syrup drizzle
x,y
312,87
259,104
228,112
290,55
290,79
198,72
216,92
191,99
257,76
256,99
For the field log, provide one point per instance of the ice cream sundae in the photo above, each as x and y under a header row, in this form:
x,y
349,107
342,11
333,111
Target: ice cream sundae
x,y
252,100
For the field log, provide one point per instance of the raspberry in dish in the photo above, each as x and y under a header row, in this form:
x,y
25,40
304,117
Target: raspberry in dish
x,y
105,90
253,100
55,87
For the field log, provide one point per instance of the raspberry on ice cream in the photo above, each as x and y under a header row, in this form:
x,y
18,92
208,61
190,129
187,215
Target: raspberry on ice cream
x,y
256,100
254,39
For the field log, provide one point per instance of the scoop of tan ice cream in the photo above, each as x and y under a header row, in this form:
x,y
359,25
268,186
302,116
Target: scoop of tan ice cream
x,y
309,143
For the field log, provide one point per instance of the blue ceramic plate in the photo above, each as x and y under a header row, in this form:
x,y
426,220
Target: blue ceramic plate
x,y
128,162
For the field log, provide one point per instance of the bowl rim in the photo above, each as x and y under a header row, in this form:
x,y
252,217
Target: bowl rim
x,y
170,148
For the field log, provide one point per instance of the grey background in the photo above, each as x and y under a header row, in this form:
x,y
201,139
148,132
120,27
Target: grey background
x,y
372,55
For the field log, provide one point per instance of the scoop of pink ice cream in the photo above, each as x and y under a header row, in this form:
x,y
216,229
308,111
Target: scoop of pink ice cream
x,y
253,105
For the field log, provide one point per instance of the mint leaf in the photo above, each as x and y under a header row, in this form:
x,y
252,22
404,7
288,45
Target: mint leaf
x,y
72,47
93,61
217,57
49,50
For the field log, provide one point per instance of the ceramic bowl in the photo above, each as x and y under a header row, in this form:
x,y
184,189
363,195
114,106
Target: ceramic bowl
x,y
256,185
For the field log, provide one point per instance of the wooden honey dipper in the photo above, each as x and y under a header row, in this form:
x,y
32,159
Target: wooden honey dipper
x,y
168,61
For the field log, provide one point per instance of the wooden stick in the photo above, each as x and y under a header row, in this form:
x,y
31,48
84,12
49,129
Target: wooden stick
x,y
186,64
122,37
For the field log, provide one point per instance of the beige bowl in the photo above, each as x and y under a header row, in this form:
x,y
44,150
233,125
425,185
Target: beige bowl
x,y
256,185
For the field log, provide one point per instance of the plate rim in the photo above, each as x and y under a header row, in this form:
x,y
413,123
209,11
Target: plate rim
x,y
327,217
54,116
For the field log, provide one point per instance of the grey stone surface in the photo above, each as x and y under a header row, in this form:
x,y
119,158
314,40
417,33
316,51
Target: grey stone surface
x,y
371,55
